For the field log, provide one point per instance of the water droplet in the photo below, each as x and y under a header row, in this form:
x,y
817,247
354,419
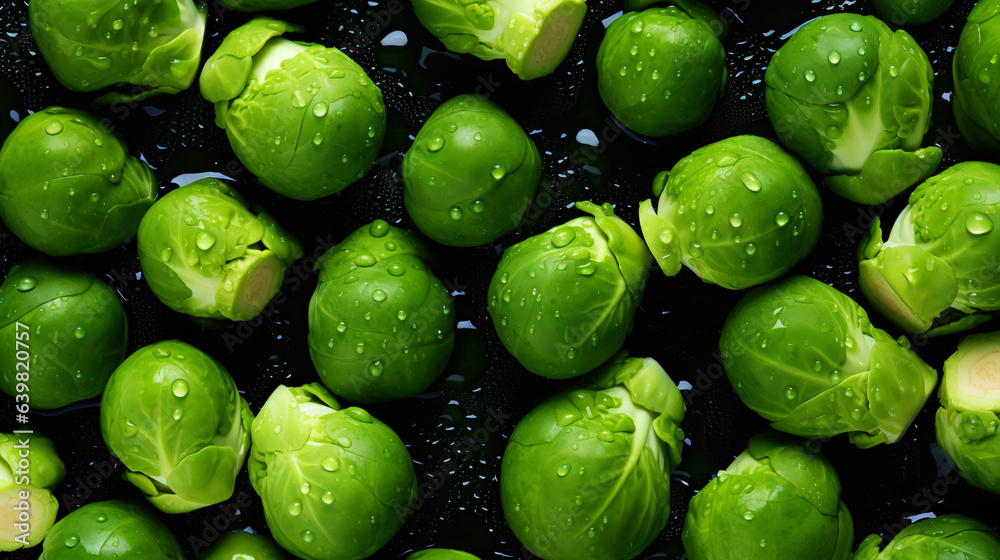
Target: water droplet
x,y
455,213
586,269
375,368
727,160
204,240
791,393
751,182
344,441
477,136
736,220
360,347
978,223
26,284
435,144
401,315
498,172
833,132
308,536
834,57
395,269
637,27
751,248
478,207
563,237
563,470
72,541
179,388
781,218
53,128
364,260
748,515
305,488
695,250
378,295
810,76
79,332
856,26
861,76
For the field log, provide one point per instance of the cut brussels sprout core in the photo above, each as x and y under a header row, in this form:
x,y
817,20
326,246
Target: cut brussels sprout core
x,y
14,532
533,36
972,374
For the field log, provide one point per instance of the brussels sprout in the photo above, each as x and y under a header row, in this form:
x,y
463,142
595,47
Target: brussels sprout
x,y
562,301
911,12
937,538
854,100
205,254
935,265
441,554
775,501
29,470
304,118
62,331
586,475
380,324
89,46
967,422
69,186
977,105
263,5
336,483
110,530
805,357
534,36
241,545
664,81
174,417
470,174
746,190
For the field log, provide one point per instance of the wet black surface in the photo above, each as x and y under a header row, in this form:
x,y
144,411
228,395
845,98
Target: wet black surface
x,y
678,323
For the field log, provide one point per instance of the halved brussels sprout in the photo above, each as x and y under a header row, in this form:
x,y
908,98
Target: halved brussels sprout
x,y
62,332
174,417
336,483
586,475
380,324
805,357
30,470
967,422
304,118
69,186
563,301
203,253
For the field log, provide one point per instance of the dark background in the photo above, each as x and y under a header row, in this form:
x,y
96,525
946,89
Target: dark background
x,y
678,323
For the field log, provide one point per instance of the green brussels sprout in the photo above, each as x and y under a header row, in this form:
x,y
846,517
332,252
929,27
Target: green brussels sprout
x,y
68,185
664,81
938,538
203,253
562,301
441,554
586,475
30,470
805,357
745,189
304,118
470,174
174,417
241,545
336,484
977,106
89,46
911,12
62,333
263,5
936,264
967,422
854,100
776,501
110,530
533,36
380,324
